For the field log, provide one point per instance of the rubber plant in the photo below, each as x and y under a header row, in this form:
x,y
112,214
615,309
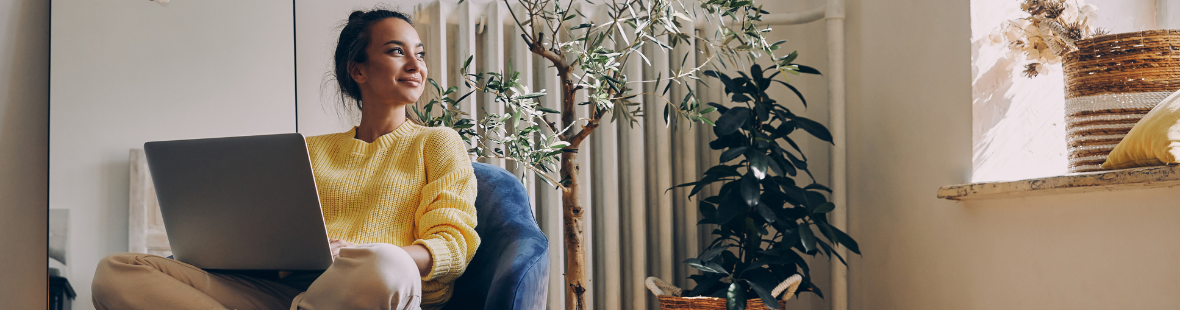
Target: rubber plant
x,y
766,213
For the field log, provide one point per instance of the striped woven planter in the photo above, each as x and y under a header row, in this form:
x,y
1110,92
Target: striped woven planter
x,y
1111,81
708,303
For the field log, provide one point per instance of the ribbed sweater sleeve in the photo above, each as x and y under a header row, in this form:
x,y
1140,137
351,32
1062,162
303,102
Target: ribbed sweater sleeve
x,y
446,212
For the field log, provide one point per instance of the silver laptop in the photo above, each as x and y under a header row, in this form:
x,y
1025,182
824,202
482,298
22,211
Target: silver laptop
x,y
240,203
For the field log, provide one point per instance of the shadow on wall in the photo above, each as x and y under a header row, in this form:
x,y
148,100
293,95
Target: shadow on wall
x,y
989,100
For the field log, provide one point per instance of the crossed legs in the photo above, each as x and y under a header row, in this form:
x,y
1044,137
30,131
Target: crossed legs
x,y
370,276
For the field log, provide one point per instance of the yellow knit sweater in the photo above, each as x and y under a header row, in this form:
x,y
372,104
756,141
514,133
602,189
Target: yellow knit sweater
x,y
414,185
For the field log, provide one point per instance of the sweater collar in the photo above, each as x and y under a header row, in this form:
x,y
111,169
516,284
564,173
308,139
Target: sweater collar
x,y
384,141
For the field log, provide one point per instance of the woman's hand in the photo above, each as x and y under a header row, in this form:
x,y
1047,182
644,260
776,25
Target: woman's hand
x,y
419,253
336,244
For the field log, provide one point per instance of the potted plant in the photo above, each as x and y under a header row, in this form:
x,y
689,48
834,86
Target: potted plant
x,y
589,55
767,214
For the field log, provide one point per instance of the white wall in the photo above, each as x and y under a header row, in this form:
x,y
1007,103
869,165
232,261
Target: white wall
x,y
909,116
24,115
127,72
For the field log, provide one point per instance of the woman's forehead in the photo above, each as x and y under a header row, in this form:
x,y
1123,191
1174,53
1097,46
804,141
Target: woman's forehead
x,y
394,30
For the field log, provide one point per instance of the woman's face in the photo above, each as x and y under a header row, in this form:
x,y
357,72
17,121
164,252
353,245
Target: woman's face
x,y
396,70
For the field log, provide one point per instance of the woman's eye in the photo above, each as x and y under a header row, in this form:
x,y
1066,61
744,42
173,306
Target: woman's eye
x,y
397,50
421,54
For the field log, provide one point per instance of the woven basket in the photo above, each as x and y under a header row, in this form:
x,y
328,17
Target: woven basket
x,y
1111,81
708,303
670,299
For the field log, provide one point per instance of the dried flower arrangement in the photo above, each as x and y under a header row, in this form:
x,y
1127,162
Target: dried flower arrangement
x,y
1048,32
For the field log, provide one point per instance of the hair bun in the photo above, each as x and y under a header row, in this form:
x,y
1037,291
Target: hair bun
x,y
355,16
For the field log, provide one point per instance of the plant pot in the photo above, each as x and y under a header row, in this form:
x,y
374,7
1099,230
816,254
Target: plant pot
x,y
708,303
1111,82
670,298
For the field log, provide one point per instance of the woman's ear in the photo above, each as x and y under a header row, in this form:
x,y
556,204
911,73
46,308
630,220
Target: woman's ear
x,y
356,72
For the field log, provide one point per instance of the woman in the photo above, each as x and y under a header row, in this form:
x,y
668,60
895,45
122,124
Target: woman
x,y
403,191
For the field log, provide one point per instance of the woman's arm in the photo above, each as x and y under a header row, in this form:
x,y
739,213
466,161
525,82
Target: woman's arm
x,y
446,217
421,258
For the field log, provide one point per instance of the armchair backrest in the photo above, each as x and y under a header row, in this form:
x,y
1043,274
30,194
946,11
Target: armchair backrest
x,y
510,269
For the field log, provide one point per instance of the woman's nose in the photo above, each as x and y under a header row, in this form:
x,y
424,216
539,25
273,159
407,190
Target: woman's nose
x,y
412,66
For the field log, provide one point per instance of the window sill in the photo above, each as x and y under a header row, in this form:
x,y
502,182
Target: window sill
x,y
1114,180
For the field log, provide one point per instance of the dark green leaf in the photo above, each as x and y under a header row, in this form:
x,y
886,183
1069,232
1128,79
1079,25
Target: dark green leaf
x,y
732,153
763,111
784,129
807,237
797,93
811,287
816,129
793,192
767,299
795,146
707,209
766,213
731,207
722,171
815,199
758,163
819,187
465,96
696,188
750,189
789,169
774,166
830,252
710,267
713,252
846,240
824,208
731,121
720,108
715,74
735,299
806,69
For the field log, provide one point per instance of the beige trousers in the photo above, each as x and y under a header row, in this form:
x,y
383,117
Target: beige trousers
x,y
369,276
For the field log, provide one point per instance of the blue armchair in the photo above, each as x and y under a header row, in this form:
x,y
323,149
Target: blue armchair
x,y
510,269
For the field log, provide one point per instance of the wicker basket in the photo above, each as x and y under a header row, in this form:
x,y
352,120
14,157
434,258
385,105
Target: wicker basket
x,y
1111,81
670,299
708,303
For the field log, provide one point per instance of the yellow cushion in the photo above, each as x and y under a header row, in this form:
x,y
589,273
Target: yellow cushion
x,y
1154,141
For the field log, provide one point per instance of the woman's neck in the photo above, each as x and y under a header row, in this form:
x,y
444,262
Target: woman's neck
x,y
378,120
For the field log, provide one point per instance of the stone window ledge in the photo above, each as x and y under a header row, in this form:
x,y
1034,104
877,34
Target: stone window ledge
x,y
1113,180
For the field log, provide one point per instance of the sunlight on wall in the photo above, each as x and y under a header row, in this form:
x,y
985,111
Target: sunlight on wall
x,y
1018,128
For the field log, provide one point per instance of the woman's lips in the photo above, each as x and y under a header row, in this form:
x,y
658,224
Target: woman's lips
x,y
412,81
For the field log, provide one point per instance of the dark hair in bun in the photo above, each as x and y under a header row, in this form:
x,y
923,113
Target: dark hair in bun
x,y
350,48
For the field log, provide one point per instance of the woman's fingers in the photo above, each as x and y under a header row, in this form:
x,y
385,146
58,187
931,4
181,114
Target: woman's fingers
x,y
336,245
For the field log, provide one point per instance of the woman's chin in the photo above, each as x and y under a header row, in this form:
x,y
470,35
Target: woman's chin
x,y
410,97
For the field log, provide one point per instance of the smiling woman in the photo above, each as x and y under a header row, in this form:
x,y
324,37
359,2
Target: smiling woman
x,y
397,199
390,49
